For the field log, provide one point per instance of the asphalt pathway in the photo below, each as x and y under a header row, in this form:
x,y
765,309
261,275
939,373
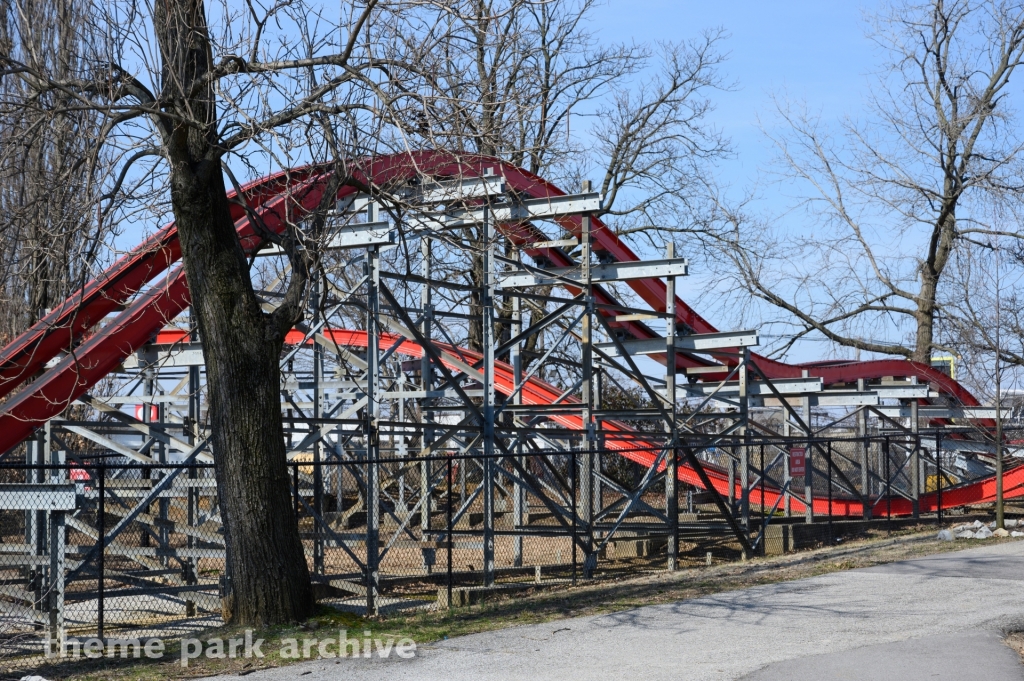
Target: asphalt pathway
x,y
935,618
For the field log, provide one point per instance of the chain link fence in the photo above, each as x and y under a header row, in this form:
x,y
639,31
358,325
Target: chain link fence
x,y
106,547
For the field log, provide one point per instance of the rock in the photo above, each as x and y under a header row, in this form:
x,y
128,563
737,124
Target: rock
x,y
1000,533
945,535
983,533
991,525
1015,533
1011,523
978,525
32,678
966,534
960,528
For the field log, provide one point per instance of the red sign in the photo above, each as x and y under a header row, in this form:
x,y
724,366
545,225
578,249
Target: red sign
x,y
797,462
154,412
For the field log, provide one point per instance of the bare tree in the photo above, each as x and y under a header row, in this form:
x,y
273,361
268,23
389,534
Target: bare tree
x,y
984,319
895,197
49,241
511,76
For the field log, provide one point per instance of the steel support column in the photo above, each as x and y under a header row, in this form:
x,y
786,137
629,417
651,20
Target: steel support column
x,y
487,323
671,470
318,478
809,462
373,399
55,584
915,459
426,384
518,492
585,504
862,440
786,478
744,433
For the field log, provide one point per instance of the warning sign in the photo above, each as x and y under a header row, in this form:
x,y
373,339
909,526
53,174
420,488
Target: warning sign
x,y
797,462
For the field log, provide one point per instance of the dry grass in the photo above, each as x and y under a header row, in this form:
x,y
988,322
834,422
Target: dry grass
x,y
1015,639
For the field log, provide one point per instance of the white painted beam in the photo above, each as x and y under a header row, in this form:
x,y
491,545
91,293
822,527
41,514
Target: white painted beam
x,y
467,188
785,386
902,392
547,208
703,342
361,235
616,271
37,497
944,412
179,355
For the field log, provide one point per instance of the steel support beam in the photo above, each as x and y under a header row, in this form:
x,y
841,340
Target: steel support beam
x,y
671,467
372,433
599,274
488,341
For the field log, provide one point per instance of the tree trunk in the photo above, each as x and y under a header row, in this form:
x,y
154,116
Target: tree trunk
x,y
939,250
241,345
925,317
269,575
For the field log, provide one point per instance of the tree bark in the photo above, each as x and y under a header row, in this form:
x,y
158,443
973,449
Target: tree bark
x,y
925,318
241,344
936,259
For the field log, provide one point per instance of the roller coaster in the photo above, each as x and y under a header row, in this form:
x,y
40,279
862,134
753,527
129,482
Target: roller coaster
x,y
378,379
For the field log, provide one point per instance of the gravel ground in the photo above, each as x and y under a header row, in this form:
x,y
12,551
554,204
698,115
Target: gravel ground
x,y
938,617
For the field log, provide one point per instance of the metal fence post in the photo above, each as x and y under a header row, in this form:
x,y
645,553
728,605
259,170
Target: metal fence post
x,y
101,531
574,471
888,489
732,481
449,524
426,384
831,535
56,583
764,508
862,445
938,476
518,492
295,486
915,460
809,465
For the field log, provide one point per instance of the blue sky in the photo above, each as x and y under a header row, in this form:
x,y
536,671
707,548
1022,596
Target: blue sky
x,y
817,52
814,50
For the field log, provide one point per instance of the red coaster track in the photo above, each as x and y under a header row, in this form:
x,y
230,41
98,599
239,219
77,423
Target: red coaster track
x,y
294,193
